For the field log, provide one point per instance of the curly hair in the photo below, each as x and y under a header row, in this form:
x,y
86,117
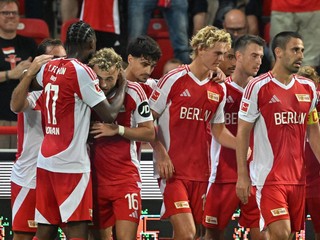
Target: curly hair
x,y
309,72
105,59
207,37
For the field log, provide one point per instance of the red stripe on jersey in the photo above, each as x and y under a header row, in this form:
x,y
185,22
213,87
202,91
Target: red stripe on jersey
x,y
170,74
228,79
253,82
88,69
138,89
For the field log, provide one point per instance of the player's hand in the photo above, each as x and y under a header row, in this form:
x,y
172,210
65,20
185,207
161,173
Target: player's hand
x,y
37,64
243,188
103,130
164,165
218,76
122,81
16,72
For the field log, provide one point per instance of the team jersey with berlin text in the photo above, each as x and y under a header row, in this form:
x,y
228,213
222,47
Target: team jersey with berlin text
x,y
187,107
280,114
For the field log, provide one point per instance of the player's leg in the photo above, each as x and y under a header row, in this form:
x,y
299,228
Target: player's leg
x,y
279,230
46,232
177,208
219,210
127,210
183,226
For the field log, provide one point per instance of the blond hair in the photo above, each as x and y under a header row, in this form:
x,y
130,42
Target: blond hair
x,y
106,58
309,72
207,37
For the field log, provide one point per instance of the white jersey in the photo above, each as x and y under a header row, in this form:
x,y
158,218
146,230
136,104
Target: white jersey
x,y
30,136
70,89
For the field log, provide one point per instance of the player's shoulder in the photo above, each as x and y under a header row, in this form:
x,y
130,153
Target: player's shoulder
x,y
136,88
174,75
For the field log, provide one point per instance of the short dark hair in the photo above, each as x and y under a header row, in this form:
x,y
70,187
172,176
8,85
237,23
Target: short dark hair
x,y
144,46
42,48
245,40
281,40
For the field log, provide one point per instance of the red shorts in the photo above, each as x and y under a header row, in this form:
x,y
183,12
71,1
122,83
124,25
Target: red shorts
x,y
183,196
222,202
23,205
63,197
282,202
313,208
116,202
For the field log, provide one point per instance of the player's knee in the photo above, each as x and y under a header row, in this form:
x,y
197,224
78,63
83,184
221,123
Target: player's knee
x,y
282,234
185,235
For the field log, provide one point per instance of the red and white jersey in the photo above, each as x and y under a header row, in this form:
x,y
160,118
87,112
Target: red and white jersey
x,y
149,86
187,107
101,15
223,160
70,88
115,159
280,114
30,136
312,165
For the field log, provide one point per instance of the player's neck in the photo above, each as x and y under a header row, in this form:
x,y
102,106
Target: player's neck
x,y
240,77
281,74
199,70
129,75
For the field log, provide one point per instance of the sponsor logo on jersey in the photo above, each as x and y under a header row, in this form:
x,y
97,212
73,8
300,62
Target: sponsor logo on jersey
x,y
274,99
182,204
303,97
230,99
32,224
213,96
144,109
155,95
195,114
211,220
134,214
279,211
289,118
244,108
185,93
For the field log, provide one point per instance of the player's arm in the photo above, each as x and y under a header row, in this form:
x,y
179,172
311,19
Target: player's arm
x,y
107,111
313,133
164,164
19,95
144,132
242,139
223,135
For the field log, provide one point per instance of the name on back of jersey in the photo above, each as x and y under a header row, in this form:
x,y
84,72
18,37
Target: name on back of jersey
x,y
53,130
198,114
56,70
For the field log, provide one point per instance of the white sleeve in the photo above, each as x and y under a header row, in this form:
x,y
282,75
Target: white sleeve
x,y
219,114
249,111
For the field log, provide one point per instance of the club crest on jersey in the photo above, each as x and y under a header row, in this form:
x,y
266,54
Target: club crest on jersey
x,y
279,211
32,224
244,108
211,220
213,96
155,95
303,97
182,204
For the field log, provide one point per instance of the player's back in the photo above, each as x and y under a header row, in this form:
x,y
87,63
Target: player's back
x,y
69,88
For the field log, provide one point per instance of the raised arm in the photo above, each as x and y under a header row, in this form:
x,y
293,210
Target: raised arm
x,y
19,100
